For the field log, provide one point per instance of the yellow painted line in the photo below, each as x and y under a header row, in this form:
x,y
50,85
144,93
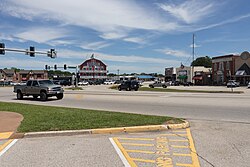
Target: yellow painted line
x,y
137,144
182,131
5,135
143,139
140,151
185,165
193,151
174,135
176,146
143,160
183,155
174,140
129,159
5,144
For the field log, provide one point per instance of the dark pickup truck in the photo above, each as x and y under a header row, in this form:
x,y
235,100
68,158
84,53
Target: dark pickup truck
x,y
42,88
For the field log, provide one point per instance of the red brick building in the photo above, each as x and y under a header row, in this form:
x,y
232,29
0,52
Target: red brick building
x,y
93,69
223,68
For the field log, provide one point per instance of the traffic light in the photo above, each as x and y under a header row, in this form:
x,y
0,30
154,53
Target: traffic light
x,y
52,53
2,48
32,51
65,67
55,67
46,67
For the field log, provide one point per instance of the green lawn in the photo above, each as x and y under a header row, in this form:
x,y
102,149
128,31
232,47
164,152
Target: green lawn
x,y
44,118
179,90
188,91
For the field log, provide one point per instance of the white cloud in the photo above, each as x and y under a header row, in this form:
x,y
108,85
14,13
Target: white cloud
x,y
41,35
103,16
190,11
113,35
135,40
172,52
95,45
195,46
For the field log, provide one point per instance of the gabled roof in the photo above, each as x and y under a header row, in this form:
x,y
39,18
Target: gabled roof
x,y
8,71
245,68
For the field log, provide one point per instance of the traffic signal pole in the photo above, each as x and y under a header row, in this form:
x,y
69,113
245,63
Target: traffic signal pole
x,y
52,53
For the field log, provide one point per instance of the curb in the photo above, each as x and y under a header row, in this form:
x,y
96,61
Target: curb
x,y
148,128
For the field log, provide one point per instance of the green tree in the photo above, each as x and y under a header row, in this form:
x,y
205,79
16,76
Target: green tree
x,y
202,61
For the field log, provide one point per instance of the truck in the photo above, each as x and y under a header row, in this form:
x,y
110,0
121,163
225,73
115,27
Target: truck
x,y
41,88
158,84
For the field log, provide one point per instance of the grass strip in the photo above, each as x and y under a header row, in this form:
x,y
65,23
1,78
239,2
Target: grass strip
x,y
74,88
179,90
47,118
188,91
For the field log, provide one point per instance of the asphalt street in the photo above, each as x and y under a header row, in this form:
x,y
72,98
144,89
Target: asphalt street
x,y
219,126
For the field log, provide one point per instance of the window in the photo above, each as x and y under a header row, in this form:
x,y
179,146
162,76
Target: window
x,y
29,83
35,83
227,65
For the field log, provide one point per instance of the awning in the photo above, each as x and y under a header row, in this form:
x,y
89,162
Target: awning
x,y
197,78
240,72
182,77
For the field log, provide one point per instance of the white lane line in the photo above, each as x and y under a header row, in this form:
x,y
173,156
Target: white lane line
x,y
124,160
8,147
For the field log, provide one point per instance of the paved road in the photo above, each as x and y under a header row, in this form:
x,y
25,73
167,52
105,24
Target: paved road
x,y
219,125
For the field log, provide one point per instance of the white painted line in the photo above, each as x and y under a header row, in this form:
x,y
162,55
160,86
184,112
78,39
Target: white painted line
x,y
8,147
124,160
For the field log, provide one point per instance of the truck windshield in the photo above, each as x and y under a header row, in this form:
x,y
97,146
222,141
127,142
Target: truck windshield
x,y
45,82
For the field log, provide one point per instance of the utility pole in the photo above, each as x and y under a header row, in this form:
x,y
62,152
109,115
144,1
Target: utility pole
x,y
118,74
192,73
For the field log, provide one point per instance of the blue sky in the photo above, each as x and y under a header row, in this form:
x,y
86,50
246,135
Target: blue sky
x,y
129,35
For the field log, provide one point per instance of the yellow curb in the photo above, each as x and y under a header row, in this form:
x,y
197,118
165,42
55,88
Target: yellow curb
x,y
5,135
140,128
106,130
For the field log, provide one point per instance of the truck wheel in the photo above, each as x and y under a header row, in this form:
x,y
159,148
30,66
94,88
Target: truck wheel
x,y
119,88
43,96
59,96
19,95
164,86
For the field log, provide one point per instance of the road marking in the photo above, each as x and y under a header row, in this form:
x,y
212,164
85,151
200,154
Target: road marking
x,y
7,145
176,146
146,139
185,165
5,135
141,151
166,150
125,154
193,151
137,144
178,154
143,160
119,152
174,140
174,135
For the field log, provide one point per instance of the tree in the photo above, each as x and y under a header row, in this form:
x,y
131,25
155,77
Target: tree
x,y
202,61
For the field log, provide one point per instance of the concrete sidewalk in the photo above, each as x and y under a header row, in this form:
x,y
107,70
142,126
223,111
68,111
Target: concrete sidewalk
x,y
9,121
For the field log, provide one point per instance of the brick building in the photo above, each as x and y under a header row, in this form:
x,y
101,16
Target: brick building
x,y
223,68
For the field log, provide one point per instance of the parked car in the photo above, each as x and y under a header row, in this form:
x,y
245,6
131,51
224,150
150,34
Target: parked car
x,y
108,82
233,83
129,85
158,84
65,82
83,83
248,86
188,84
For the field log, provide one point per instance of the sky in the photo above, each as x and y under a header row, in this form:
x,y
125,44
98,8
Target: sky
x,y
132,36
